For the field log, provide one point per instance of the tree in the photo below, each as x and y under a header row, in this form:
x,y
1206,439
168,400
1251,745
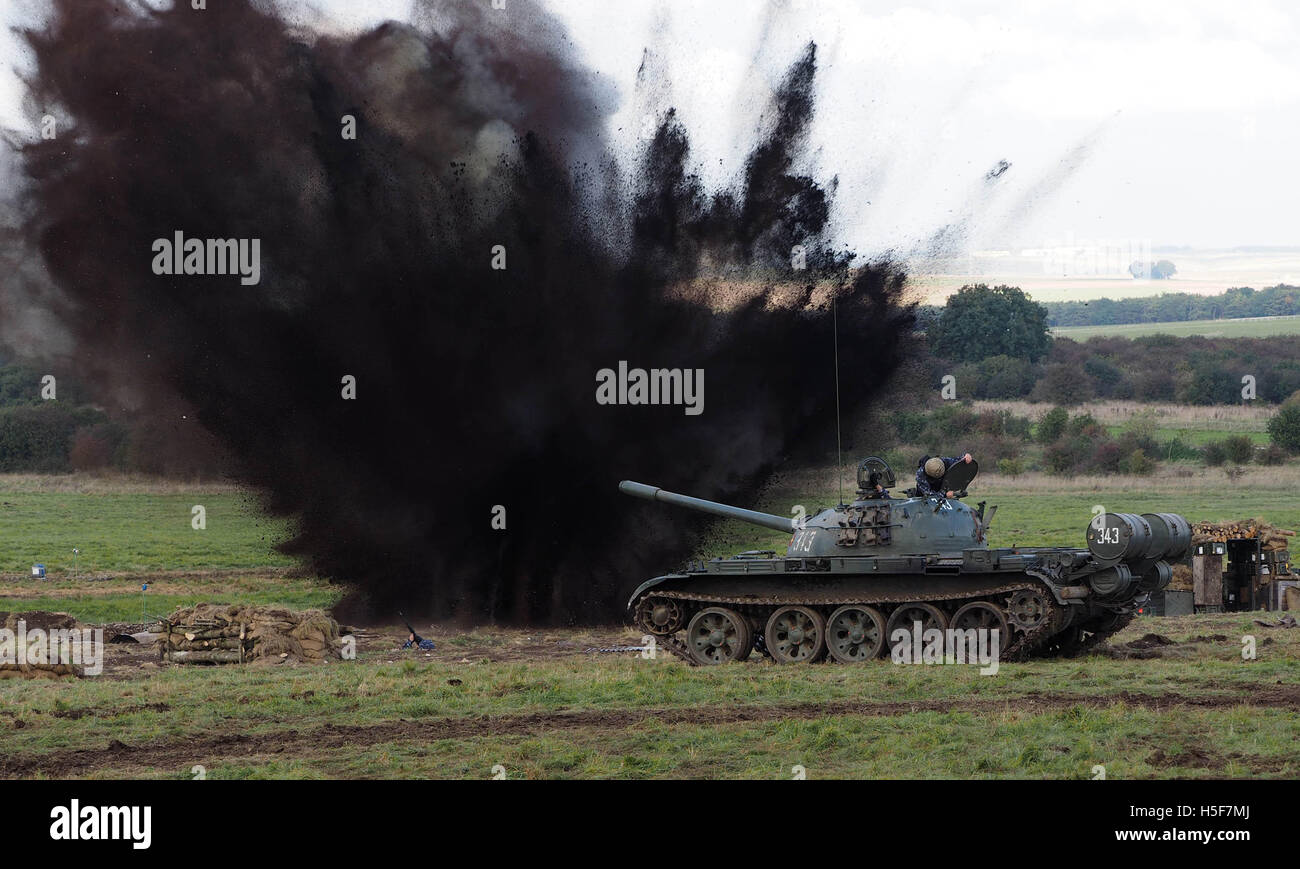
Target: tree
x,y
1158,270
981,321
1052,424
1284,426
1062,383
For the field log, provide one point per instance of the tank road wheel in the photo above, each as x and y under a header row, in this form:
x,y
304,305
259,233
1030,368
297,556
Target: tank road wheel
x,y
1027,609
718,635
660,616
855,633
929,615
981,615
795,634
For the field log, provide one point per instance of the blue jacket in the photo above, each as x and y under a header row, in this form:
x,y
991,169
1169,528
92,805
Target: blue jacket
x,y
923,486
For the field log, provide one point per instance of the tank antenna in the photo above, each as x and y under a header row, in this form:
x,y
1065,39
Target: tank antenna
x,y
839,441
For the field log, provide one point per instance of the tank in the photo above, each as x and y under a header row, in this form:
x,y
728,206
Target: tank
x,y
853,575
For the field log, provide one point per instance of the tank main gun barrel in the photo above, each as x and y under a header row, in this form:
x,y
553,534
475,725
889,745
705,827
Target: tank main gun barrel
x,y
650,493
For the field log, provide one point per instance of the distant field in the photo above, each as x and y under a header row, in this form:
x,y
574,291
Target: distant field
x,y
1205,272
1246,327
133,532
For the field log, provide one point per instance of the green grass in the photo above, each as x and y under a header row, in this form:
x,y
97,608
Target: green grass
x,y
134,532
178,707
127,607
1253,327
1009,736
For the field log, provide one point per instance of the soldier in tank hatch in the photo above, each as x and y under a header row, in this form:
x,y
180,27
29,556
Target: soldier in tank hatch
x,y
929,474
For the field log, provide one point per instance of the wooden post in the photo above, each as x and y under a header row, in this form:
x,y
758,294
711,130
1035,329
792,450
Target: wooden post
x,y
1207,580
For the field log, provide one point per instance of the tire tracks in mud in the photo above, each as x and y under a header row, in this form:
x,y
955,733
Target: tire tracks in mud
x,y
180,755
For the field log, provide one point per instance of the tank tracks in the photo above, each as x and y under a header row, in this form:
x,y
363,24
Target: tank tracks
x,y
1027,639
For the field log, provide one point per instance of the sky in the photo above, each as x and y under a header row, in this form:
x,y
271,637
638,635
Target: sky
x,y
1162,123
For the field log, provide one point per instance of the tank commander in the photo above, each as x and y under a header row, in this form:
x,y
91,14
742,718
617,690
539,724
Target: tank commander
x,y
930,471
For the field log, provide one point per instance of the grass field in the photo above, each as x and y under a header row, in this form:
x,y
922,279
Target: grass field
x,y
1245,327
536,704
562,713
131,532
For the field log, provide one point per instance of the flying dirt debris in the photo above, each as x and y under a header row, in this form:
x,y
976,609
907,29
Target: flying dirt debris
x,y
854,574
472,385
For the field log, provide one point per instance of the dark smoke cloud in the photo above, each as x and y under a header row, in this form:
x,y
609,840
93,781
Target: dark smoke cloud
x,y
475,386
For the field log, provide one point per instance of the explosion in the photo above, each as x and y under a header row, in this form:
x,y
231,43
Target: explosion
x,y
417,363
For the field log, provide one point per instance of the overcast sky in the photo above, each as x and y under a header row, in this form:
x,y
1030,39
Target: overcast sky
x,y
1171,122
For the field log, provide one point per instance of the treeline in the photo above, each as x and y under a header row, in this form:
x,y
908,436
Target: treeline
x,y
1056,442
68,434
1235,303
1190,370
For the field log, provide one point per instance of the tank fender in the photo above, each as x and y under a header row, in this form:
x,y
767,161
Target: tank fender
x,y
651,583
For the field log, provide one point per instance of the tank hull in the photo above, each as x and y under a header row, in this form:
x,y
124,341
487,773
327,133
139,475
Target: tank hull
x,y
857,578
1049,585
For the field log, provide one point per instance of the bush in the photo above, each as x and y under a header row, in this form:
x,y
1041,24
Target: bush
x,y
1011,467
988,449
1272,455
1062,383
1284,426
1130,441
1138,463
1177,450
1051,425
1003,423
1153,384
909,425
37,438
1017,427
1085,424
1105,374
1068,455
1006,377
1142,426
1208,382
1214,454
1239,449
1106,457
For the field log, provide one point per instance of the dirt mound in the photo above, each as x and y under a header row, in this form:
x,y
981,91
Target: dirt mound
x,y
230,634
45,621
1150,641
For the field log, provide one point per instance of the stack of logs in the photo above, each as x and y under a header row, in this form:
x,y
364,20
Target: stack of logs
x,y
215,634
1271,537
10,668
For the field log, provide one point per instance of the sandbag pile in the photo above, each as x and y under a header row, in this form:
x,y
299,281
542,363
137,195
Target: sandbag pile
x,y
1271,537
237,634
38,620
